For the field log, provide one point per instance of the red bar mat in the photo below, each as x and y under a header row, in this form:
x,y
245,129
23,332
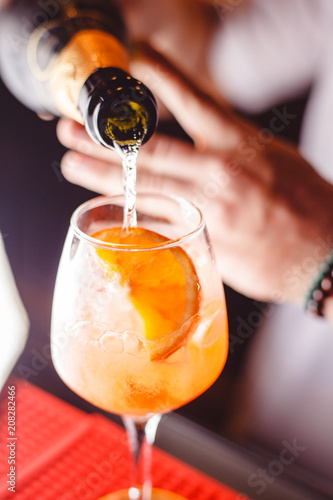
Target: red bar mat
x,y
62,453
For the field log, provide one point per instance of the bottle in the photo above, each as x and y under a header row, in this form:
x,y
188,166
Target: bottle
x,y
69,58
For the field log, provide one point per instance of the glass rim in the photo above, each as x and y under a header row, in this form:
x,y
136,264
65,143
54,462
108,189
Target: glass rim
x,y
104,200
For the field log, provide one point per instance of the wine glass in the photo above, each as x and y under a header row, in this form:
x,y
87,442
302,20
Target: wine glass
x,y
139,323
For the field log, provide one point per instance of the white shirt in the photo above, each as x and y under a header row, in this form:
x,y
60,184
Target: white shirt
x,y
266,52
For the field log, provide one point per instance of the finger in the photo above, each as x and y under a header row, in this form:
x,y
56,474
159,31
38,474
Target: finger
x,y
168,155
103,176
161,154
72,135
91,173
46,116
106,178
207,123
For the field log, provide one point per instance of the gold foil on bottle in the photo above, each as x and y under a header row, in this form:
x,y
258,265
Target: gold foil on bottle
x,y
87,51
67,71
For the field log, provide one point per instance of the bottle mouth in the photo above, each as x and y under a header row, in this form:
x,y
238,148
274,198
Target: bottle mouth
x,y
117,108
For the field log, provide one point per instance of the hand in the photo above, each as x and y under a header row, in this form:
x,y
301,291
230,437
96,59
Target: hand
x,y
269,214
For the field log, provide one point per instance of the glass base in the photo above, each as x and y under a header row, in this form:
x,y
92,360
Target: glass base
x,y
156,494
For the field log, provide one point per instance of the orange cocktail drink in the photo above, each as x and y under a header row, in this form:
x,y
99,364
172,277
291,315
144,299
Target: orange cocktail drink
x,y
158,335
139,323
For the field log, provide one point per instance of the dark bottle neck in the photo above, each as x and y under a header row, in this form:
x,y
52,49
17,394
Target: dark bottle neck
x,y
109,96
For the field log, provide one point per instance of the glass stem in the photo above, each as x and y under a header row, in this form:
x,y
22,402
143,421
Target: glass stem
x,y
141,432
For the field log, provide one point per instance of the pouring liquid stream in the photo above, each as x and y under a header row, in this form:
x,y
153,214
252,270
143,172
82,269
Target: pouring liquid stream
x,y
129,156
128,132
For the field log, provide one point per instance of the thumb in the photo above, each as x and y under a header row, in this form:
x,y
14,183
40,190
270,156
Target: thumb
x,y
206,122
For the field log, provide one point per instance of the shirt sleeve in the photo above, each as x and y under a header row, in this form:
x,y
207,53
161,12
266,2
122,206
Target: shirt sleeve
x,y
265,52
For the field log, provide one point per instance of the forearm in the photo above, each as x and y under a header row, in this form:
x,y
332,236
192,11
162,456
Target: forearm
x,y
187,45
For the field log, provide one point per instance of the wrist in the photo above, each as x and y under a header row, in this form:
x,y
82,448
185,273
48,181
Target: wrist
x,y
315,244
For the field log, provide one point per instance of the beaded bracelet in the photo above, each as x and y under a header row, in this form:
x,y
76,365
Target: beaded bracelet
x,y
321,289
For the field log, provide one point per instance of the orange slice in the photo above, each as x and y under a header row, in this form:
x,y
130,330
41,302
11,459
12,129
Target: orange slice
x,y
162,285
